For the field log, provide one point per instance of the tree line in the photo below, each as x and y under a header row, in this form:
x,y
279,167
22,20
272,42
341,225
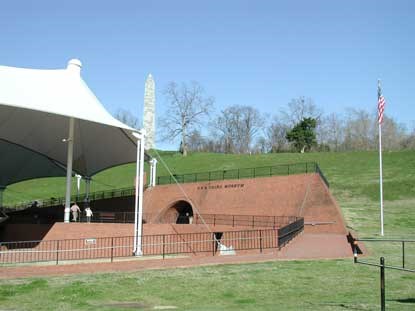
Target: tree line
x,y
300,126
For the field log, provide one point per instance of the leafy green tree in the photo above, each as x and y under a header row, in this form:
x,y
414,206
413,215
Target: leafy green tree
x,y
303,135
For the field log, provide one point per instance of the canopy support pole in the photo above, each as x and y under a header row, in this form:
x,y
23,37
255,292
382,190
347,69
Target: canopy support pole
x,y
87,190
2,188
139,188
69,140
153,168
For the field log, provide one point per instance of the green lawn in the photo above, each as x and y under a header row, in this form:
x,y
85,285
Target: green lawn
x,y
295,285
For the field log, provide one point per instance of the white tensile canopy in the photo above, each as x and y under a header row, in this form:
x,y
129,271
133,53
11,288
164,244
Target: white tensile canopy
x,y
53,113
36,107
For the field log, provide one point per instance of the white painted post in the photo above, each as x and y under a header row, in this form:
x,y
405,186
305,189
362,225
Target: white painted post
x,y
154,172
151,173
69,140
139,188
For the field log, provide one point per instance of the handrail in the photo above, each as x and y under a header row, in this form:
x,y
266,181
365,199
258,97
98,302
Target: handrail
x,y
323,177
240,173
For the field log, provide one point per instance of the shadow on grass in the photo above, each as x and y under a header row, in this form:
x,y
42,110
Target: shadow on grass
x,y
406,300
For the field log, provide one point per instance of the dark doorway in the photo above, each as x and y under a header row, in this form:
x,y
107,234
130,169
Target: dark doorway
x,y
181,212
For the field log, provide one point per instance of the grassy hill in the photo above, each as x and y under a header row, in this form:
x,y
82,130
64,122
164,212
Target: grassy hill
x,y
353,176
293,285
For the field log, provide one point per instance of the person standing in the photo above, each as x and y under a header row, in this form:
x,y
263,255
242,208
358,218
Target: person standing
x,y
89,214
75,212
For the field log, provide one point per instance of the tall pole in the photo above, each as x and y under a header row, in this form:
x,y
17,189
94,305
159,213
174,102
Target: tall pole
x,y
154,172
381,180
139,188
1,197
380,116
87,189
69,140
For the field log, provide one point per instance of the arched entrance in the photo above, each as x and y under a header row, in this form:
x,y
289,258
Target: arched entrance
x,y
181,212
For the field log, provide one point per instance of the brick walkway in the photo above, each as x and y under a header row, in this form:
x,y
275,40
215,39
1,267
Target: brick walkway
x,y
305,246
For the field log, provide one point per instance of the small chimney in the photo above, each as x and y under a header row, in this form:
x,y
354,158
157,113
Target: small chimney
x,y
74,65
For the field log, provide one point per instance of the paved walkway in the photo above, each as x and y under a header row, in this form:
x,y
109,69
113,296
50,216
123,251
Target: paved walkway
x,y
305,246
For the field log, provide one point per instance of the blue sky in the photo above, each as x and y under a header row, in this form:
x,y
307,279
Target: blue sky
x,y
259,53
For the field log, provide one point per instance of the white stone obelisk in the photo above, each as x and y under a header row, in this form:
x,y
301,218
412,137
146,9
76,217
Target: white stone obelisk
x,y
149,123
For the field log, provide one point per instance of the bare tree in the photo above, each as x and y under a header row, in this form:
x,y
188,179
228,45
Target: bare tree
x,y
330,131
195,141
237,127
276,135
359,132
127,117
299,109
393,134
187,108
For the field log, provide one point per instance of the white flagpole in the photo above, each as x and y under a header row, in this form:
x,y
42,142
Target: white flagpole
x,y
381,180
380,168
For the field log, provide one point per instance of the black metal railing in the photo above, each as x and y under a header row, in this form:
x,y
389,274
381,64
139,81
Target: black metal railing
x,y
240,173
93,196
252,221
290,231
265,171
402,250
401,266
320,172
58,251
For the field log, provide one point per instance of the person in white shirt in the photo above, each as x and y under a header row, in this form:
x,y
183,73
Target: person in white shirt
x,y
89,214
75,211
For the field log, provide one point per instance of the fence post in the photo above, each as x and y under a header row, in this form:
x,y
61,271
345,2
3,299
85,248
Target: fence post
x,y
238,173
382,284
288,169
164,244
214,219
209,176
306,167
233,220
213,244
403,254
260,241
270,171
254,172
112,249
253,221
57,252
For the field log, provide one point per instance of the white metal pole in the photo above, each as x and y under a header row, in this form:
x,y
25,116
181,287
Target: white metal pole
x,y
151,173
69,140
141,198
139,188
154,172
381,180
137,172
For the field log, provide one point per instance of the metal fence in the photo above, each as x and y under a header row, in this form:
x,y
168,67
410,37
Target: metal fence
x,y
398,260
253,221
290,231
153,245
399,252
276,170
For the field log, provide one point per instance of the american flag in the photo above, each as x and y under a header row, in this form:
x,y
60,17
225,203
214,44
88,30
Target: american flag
x,y
381,105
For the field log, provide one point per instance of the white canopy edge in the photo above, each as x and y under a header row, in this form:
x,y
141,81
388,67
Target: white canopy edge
x,y
60,91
